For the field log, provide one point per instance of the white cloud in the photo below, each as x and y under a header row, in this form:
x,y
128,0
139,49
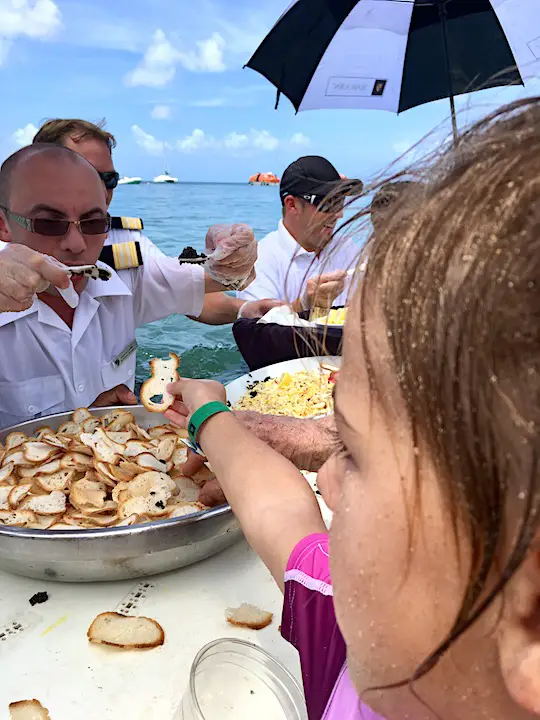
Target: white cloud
x,y
263,140
24,136
208,57
198,140
148,142
236,141
33,18
158,65
29,18
161,112
300,140
252,142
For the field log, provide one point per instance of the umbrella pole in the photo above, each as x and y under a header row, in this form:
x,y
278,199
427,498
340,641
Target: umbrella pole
x,y
444,25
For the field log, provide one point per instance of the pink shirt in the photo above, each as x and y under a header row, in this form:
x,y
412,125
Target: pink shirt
x,y
309,623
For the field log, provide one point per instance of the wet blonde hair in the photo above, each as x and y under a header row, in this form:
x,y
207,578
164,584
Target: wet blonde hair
x,y
458,285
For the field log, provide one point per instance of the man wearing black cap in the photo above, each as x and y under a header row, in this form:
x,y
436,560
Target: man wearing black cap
x,y
301,263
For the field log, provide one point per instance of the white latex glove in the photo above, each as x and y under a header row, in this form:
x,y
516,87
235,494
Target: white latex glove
x,y
232,252
24,273
321,291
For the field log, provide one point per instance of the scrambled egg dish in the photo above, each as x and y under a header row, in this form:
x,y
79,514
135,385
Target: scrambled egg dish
x,y
334,317
302,394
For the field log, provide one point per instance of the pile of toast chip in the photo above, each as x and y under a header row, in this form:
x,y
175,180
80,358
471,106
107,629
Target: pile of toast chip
x,y
96,472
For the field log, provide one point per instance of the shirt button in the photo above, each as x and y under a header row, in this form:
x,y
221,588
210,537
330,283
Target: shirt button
x,y
32,409
80,388
130,373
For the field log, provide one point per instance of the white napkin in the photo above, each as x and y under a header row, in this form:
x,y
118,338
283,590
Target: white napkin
x,y
284,315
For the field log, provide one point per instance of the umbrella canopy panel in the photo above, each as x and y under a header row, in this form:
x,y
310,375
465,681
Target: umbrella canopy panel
x,y
390,54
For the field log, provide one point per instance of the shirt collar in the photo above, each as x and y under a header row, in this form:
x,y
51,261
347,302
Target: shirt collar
x,y
95,289
289,243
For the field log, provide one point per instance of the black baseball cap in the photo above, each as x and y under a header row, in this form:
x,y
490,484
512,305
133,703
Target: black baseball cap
x,y
314,175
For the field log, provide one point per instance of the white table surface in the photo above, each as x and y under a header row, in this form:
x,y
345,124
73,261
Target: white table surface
x,y
45,654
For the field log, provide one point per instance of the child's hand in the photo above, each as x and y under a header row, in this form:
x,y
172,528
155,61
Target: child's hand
x,y
190,396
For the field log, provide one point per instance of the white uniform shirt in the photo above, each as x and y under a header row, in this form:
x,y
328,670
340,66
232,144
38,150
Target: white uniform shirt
x,y
46,367
283,267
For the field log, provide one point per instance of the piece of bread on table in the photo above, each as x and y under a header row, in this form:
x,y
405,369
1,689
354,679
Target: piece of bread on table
x,y
249,616
126,631
28,710
163,373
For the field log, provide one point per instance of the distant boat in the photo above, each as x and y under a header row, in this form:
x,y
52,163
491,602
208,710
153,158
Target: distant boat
x,y
264,179
130,181
165,178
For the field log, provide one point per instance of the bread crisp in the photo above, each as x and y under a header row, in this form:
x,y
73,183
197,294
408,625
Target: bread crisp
x,y
163,372
28,710
249,616
126,631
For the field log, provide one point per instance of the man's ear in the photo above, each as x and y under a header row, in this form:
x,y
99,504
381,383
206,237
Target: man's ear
x,y
5,232
289,204
519,635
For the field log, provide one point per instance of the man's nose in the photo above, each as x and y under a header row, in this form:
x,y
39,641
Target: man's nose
x,y
74,241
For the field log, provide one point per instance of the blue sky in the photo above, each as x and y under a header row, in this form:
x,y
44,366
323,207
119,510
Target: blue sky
x,y
167,75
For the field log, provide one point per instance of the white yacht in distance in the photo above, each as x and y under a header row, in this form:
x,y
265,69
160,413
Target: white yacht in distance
x,y
130,181
165,178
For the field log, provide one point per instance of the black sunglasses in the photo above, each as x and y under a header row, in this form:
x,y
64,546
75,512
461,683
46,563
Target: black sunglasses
x,y
323,204
110,179
58,227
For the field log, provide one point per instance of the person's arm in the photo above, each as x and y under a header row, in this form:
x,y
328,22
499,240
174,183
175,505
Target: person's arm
x,y
307,443
274,504
162,287
221,309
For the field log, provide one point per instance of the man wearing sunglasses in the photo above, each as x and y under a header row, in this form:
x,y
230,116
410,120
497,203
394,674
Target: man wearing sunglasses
x,y
96,144
302,262
54,357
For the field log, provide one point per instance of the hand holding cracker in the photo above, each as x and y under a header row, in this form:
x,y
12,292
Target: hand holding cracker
x,y
232,251
154,394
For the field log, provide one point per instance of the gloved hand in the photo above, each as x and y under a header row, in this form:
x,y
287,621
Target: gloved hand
x,y
232,252
23,273
321,291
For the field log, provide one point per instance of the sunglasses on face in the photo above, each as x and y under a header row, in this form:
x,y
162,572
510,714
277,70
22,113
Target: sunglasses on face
x,y
50,227
322,204
110,179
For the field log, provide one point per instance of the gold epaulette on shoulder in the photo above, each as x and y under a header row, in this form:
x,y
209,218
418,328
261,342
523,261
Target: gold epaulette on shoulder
x,y
126,223
122,256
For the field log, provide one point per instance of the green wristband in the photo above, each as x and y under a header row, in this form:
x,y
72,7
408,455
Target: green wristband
x,y
201,415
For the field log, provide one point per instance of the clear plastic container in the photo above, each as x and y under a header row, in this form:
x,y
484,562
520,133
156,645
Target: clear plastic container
x,y
232,678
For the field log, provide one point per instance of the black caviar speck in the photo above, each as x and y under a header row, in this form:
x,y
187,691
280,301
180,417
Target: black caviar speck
x,y
189,253
39,598
253,393
153,492
160,504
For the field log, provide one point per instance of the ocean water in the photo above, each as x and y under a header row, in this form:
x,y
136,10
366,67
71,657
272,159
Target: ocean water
x,y
178,215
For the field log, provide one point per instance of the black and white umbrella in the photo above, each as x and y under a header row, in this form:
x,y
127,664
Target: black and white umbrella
x,y
397,54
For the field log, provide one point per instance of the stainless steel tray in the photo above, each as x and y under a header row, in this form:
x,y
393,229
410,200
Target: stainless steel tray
x,y
114,553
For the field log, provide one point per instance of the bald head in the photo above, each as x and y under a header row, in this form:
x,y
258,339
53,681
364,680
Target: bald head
x,y
51,182
30,154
